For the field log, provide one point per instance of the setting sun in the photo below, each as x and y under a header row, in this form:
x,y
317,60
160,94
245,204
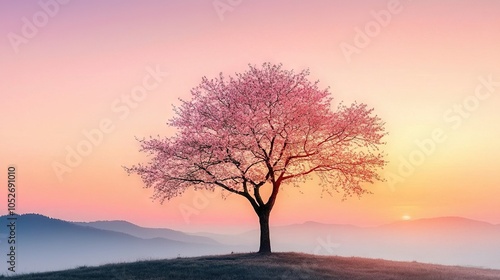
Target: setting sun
x,y
406,217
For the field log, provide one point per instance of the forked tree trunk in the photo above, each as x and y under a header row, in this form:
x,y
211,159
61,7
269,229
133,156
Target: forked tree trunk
x,y
265,240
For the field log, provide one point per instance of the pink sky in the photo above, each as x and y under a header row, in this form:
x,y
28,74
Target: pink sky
x,y
73,71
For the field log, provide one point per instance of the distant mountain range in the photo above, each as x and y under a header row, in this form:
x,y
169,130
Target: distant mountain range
x,y
445,240
45,244
141,232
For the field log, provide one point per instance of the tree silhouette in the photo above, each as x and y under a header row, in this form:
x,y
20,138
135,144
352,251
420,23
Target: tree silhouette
x,y
264,127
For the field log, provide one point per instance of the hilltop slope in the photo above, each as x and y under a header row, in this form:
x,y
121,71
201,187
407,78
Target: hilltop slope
x,y
273,266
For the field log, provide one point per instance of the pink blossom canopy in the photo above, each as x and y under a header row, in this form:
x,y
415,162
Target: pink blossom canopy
x,y
266,125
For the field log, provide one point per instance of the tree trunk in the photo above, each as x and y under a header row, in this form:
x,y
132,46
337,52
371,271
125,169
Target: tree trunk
x,y
265,240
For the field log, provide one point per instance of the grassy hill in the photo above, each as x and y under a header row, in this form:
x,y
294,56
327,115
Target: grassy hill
x,y
273,266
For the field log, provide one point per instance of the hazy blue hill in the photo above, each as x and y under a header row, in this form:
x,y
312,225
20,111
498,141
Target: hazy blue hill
x,y
45,244
447,240
142,232
447,223
296,237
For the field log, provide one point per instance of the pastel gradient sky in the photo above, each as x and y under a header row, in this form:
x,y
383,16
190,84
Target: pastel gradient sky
x,y
415,70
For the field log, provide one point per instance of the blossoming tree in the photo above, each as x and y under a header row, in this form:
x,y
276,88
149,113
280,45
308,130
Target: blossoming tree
x,y
264,127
